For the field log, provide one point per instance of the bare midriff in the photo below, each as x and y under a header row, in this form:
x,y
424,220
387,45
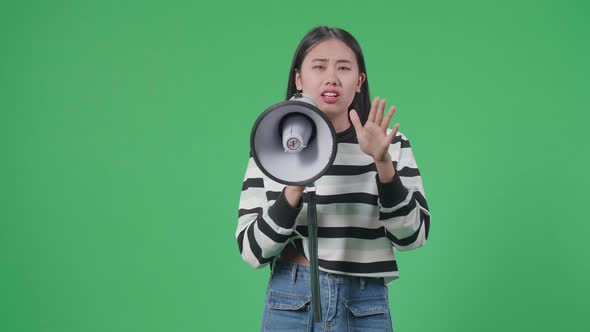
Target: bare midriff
x,y
291,254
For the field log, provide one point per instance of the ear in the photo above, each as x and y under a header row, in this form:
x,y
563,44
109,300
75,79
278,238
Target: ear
x,y
362,78
298,80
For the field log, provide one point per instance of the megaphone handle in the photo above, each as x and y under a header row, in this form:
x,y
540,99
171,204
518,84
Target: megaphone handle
x,y
313,253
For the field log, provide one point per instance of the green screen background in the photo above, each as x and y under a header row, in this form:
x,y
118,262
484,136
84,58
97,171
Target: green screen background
x,y
124,131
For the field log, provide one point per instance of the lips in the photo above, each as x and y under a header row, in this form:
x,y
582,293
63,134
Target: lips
x,y
330,96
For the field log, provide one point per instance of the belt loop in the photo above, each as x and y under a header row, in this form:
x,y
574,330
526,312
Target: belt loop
x,y
273,267
363,283
294,274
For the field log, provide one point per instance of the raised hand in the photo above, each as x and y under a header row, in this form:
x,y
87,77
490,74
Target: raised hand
x,y
372,137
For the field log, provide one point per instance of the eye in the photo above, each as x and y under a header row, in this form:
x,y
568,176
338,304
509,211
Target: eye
x,y
343,68
318,67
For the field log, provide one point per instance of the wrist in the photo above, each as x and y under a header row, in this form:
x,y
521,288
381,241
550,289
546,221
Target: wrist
x,y
386,159
385,170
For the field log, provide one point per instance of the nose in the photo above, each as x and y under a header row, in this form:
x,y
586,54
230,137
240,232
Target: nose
x,y
331,77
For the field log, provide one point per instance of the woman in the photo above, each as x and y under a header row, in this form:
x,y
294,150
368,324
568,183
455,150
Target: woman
x,y
369,203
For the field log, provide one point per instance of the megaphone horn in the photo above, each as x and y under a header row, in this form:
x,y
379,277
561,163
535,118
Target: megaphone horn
x,y
293,142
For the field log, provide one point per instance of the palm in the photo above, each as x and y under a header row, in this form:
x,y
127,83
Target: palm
x,y
372,137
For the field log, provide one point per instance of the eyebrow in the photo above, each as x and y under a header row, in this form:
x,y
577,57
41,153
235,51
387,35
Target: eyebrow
x,y
325,60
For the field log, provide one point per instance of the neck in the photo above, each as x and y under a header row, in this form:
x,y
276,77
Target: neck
x,y
341,123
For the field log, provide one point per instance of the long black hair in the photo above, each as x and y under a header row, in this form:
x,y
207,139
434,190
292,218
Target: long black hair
x,y
362,100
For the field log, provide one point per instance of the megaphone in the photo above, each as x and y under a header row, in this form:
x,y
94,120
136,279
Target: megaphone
x,y
293,142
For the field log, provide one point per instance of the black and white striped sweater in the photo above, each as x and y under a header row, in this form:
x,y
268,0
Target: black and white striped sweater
x,y
360,220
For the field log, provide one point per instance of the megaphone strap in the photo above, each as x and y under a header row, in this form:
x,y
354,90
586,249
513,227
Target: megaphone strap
x,y
313,253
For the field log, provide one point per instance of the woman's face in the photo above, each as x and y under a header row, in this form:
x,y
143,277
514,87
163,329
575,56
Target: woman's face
x,y
330,76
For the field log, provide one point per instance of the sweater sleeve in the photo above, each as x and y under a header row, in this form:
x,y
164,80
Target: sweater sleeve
x,y
402,203
264,226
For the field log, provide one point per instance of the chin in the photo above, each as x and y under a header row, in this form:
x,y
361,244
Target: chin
x,y
332,107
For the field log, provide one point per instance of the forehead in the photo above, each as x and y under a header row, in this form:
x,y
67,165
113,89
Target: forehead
x,y
331,49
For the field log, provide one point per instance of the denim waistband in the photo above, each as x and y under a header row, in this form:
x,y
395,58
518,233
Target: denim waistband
x,y
296,271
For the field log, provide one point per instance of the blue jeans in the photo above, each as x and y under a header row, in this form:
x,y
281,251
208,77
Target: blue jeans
x,y
348,303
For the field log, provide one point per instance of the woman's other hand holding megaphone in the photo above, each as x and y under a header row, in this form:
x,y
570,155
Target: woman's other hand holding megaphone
x,y
293,194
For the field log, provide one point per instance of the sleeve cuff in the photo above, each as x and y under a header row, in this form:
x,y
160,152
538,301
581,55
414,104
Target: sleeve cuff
x,y
282,213
391,193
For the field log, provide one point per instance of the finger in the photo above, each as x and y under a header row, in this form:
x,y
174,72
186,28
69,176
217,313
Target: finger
x,y
391,135
388,117
379,116
373,110
356,122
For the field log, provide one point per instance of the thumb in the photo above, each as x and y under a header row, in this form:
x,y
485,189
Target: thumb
x,y
356,122
391,135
